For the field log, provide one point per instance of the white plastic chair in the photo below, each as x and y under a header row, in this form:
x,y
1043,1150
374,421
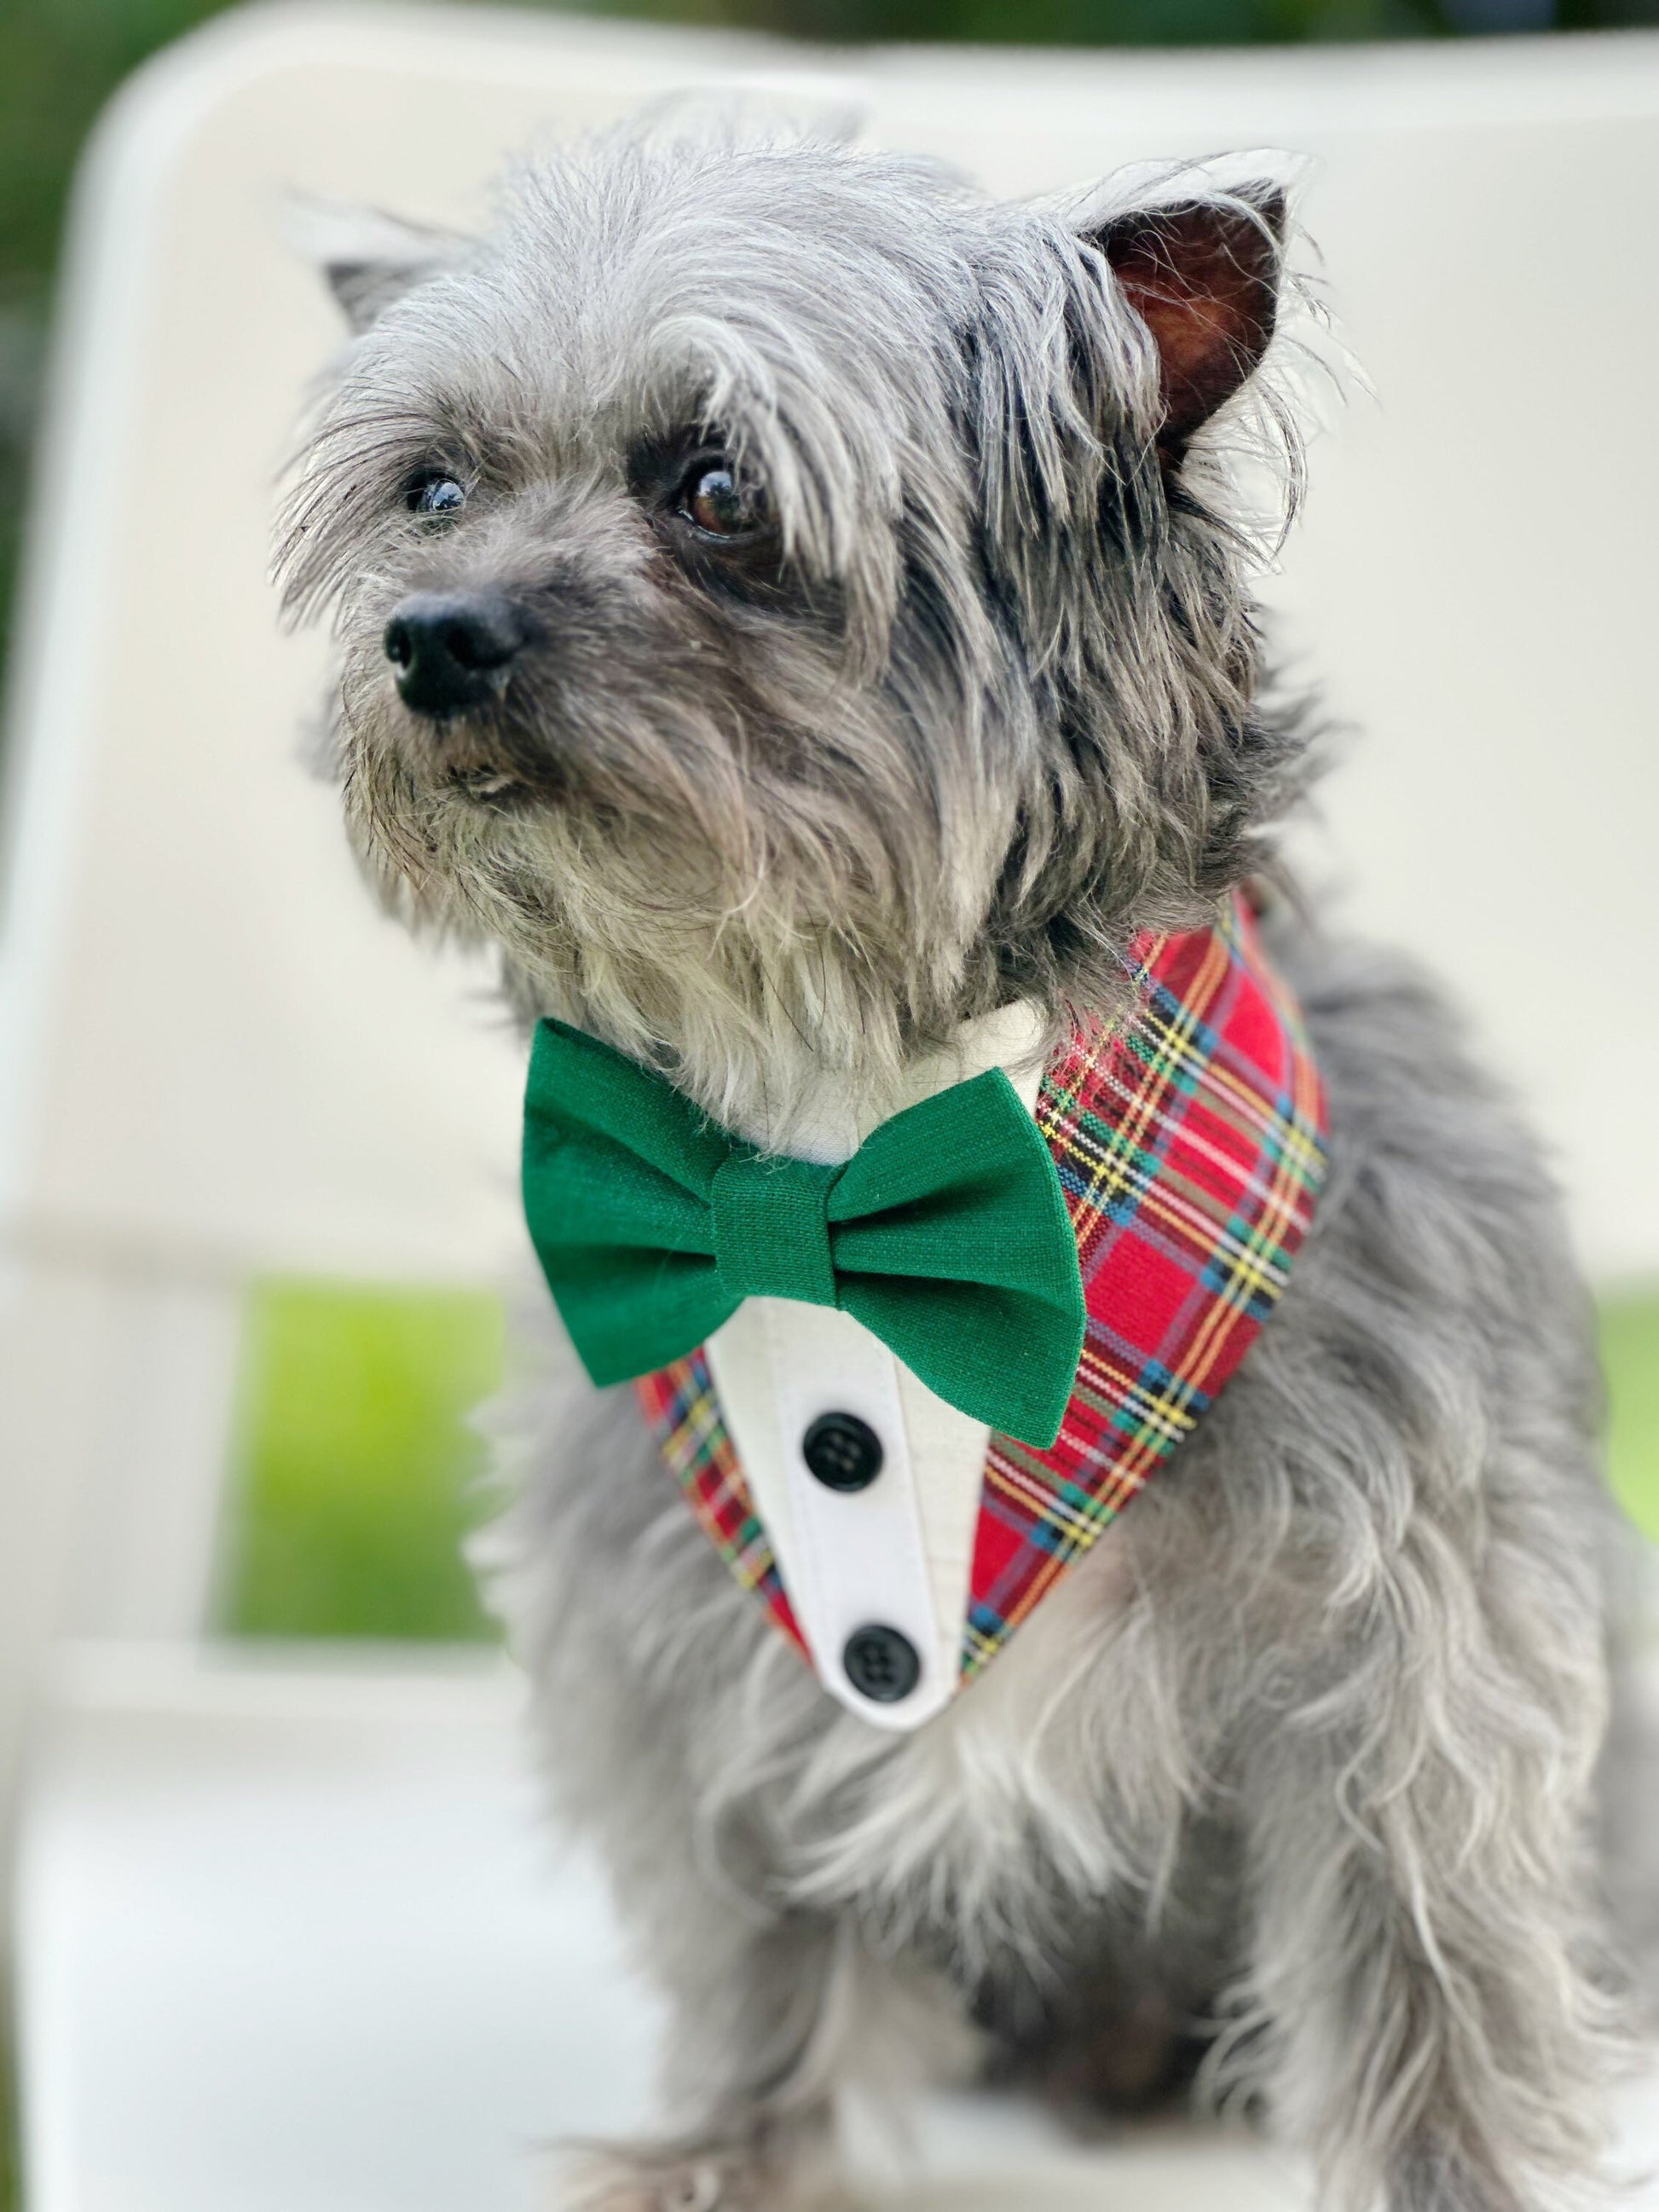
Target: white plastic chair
x,y
286,1933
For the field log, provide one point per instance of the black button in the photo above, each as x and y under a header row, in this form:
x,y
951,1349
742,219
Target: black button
x,y
882,1663
843,1451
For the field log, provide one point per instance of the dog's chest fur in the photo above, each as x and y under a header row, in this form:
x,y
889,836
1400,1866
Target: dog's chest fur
x,y
992,1834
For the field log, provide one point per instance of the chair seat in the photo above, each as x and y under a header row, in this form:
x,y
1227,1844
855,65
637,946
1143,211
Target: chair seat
x,y
292,1934
289,1935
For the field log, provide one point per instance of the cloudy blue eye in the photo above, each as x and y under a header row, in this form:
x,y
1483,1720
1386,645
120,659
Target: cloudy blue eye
x,y
436,496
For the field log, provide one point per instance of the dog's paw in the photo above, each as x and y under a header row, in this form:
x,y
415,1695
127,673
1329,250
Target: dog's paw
x,y
729,2178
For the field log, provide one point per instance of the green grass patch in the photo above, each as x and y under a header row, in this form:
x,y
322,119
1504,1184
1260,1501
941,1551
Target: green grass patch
x,y
1630,1356
353,1469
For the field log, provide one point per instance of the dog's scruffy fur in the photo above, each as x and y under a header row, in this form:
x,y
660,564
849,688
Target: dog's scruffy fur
x,y
1290,1780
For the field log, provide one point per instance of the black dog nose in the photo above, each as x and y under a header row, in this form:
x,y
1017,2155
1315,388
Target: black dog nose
x,y
450,648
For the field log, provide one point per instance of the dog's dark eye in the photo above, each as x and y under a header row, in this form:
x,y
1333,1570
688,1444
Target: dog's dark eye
x,y
713,502
436,496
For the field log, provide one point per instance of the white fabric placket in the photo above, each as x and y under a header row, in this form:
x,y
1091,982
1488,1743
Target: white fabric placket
x,y
898,1554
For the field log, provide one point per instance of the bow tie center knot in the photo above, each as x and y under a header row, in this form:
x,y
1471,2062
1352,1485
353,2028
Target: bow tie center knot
x,y
771,1236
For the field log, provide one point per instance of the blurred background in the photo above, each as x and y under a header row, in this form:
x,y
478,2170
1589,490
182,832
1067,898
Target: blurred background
x,y
314,1365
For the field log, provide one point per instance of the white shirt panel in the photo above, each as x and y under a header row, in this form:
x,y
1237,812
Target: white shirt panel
x,y
898,1554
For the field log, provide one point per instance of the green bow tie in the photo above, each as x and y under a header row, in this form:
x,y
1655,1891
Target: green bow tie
x,y
945,1234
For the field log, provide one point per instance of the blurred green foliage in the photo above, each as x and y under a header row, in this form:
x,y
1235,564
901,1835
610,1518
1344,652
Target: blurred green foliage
x,y
59,62
1630,1358
1073,22
354,1471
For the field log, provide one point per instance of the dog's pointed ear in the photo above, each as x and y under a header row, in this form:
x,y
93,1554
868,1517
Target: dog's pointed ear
x,y
1203,275
369,258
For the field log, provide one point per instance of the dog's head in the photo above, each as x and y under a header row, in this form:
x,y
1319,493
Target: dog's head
x,y
784,597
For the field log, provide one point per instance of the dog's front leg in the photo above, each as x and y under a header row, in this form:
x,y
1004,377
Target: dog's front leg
x,y
746,2082
1419,2010
768,2026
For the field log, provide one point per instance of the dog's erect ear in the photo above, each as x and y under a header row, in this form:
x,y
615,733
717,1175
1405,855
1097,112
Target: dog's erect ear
x,y
1203,275
369,258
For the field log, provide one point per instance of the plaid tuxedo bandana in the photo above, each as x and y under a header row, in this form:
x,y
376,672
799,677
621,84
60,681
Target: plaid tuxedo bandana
x,y
1189,1142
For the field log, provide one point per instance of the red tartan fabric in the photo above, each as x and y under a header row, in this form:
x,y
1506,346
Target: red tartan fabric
x,y
1189,1141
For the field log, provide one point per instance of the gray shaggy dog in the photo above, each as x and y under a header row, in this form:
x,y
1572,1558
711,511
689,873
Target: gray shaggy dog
x,y
792,605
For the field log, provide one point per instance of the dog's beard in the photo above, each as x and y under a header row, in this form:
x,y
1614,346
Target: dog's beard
x,y
755,930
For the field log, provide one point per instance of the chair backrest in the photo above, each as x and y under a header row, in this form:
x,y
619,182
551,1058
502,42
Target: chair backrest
x,y
216,1059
